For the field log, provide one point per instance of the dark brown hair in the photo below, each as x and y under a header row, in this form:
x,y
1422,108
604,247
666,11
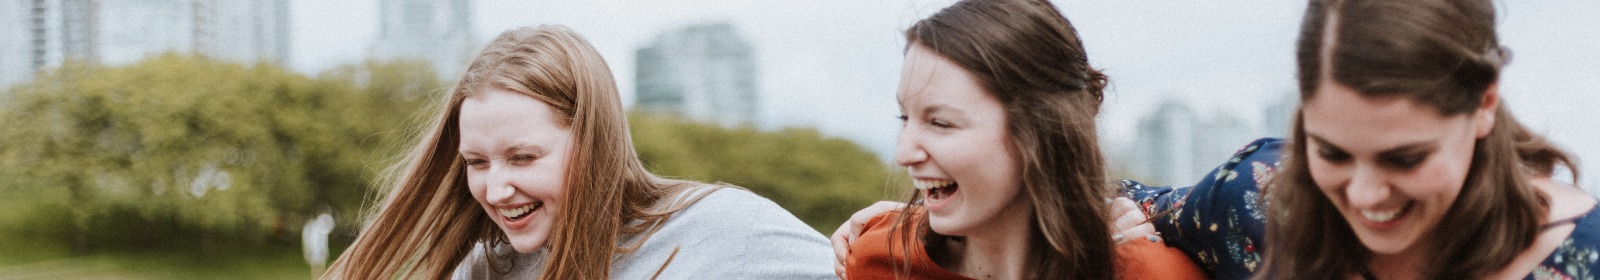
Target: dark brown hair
x,y
1439,53
1028,56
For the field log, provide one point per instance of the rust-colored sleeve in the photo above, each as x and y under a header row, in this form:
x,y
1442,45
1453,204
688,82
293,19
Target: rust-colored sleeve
x,y
1144,259
872,256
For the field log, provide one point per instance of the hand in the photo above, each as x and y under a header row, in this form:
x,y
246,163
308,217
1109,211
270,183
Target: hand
x,y
851,230
1129,222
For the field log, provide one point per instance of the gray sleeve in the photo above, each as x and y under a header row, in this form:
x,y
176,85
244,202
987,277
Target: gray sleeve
x,y
741,235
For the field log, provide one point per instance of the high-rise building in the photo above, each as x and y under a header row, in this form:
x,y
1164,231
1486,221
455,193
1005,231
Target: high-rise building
x,y
1175,146
438,32
1279,114
703,72
243,30
15,41
1164,151
43,34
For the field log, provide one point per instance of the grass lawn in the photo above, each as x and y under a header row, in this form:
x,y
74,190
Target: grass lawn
x,y
234,264
54,262
34,244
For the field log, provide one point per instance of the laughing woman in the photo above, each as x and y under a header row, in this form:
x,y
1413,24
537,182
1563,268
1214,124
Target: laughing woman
x,y
999,102
1403,149
529,172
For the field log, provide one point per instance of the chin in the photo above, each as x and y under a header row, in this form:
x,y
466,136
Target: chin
x,y
946,226
1385,246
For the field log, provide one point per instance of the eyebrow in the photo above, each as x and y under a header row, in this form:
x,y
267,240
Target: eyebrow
x,y
1407,148
524,146
928,109
512,149
939,107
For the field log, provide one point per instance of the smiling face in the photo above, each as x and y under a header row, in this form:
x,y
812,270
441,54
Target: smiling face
x,y
516,155
1391,166
955,146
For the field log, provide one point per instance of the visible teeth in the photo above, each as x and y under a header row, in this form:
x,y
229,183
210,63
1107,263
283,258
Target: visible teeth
x,y
1383,216
930,184
517,212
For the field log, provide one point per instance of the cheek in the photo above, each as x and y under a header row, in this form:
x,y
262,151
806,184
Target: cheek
x,y
476,187
548,183
1322,173
1443,178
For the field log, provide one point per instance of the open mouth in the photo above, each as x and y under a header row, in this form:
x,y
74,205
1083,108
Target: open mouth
x,y
937,189
1386,216
517,214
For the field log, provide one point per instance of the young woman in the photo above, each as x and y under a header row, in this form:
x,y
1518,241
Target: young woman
x,y
529,167
999,104
1404,150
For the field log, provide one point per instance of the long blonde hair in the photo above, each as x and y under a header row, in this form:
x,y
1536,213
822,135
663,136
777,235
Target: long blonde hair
x,y
430,221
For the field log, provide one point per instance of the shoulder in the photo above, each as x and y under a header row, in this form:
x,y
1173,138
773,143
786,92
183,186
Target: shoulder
x,y
730,212
876,233
728,207
871,250
876,253
1145,259
734,233
1578,256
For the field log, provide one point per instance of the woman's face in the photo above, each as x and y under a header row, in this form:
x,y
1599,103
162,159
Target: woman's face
x,y
516,155
1391,166
954,144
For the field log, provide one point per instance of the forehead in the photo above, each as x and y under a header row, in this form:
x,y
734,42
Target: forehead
x,y
498,117
927,77
1343,117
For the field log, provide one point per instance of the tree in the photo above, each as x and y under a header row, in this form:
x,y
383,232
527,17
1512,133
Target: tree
x,y
226,149
820,179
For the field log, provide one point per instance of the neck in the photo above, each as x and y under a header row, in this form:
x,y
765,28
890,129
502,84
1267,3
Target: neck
x,y
998,253
1403,265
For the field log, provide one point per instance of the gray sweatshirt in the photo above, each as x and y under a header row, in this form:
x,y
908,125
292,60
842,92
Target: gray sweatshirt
x,y
729,234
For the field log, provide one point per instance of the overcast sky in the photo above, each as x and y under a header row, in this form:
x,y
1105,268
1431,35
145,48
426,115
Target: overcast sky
x,y
833,65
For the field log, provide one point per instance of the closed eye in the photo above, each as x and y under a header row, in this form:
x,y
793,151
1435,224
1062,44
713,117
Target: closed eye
x,y
1333,155
477,164
940,123
1404,162
523,159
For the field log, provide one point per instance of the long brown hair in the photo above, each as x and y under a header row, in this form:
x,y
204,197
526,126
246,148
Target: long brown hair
x,y
1440,53
430,221
1028,56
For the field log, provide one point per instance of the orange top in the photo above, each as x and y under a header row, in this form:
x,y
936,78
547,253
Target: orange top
x,y
870,257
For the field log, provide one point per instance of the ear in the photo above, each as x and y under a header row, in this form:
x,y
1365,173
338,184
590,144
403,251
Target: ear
x,y
1483,117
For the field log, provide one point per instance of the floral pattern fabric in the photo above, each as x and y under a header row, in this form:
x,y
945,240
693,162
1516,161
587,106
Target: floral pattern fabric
x,y
1220,220
1578,257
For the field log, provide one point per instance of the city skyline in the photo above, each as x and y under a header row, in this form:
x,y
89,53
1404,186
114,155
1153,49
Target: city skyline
x,y
44,34
703,72
834,65
438,32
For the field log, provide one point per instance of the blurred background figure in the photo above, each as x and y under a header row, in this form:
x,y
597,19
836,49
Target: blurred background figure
x,y
314,238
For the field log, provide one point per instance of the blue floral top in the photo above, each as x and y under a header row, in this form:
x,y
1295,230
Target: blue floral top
x,y
1219,221
1578,257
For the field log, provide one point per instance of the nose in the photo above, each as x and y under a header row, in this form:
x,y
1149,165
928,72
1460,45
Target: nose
x,y
499,189
908,151
1367,187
